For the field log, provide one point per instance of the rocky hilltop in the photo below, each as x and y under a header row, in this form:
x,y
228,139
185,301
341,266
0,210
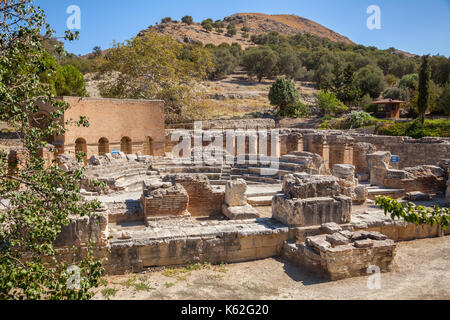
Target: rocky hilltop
x,y
258,23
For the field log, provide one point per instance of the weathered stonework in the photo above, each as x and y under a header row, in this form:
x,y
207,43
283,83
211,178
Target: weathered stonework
x,y
164,199
236,206
343,254
311,200
203,199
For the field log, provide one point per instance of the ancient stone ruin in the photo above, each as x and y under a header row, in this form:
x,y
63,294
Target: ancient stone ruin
x,y
306,196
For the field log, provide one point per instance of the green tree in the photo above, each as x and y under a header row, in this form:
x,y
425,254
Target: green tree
x,y
207,24
224,62
444,100
166,20
423,98
231,29
260,62
345,86
158,67
396,94
96,52
37,200
371,80
330,104
284,95
75,84
188,20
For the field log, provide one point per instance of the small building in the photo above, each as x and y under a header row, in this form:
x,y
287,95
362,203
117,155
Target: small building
x,y
126,125
388,108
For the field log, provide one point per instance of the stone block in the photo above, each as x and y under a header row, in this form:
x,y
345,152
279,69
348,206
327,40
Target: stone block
x,y
330,228
240,212
297,186
311,211
235,193
418,196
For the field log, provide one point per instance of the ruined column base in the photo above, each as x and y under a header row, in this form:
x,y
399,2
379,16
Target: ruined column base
x,y
240,212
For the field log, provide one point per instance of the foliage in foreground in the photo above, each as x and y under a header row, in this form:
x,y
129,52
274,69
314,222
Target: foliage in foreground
x,y
36,200
418,215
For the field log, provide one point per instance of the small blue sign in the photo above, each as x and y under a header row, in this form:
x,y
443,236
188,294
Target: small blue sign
x,y
395,159
115,151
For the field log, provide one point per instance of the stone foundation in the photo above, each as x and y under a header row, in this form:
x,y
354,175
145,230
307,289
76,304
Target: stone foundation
x,y
311,200
343,254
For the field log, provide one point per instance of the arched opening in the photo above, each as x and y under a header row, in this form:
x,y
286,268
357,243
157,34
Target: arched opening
x,y
148,146
126,145
103,146
81,146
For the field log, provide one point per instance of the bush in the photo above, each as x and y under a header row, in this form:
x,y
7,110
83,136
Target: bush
x,y
188,20
298,110
371,80
260,61
166,20
207,25
432,128
231,30
330,104
358,119
283,94
396,94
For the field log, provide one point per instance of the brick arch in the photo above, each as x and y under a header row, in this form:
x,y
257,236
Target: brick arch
x,y
126,145
103,146
148,146
81,146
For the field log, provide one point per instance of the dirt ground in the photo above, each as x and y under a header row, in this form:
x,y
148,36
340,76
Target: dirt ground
x,y
420,272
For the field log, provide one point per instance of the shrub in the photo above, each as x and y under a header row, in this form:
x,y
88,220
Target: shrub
x,y
188,20
396,94
371,80
283,94
330,104
207,25
432,128
166,20
298,110
358,119
418,215
231,29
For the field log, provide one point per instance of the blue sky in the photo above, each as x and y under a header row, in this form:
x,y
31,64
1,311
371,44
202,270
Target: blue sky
x,y
415,26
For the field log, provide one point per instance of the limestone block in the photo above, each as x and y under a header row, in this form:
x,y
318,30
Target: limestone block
x,y
337,239
132,157
418,196
311,211
360,194
302,187
378,165
330,228
240,212
235,193
344,171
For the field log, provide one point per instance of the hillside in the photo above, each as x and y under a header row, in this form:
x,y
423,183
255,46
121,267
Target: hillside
x,y
258,23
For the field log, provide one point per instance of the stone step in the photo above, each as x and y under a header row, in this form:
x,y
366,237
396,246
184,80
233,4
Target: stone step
x,y
375,191
260,201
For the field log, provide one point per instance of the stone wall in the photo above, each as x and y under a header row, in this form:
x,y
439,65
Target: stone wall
x,y
224,242
343,254
164,199
203,199
311,200
112,120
